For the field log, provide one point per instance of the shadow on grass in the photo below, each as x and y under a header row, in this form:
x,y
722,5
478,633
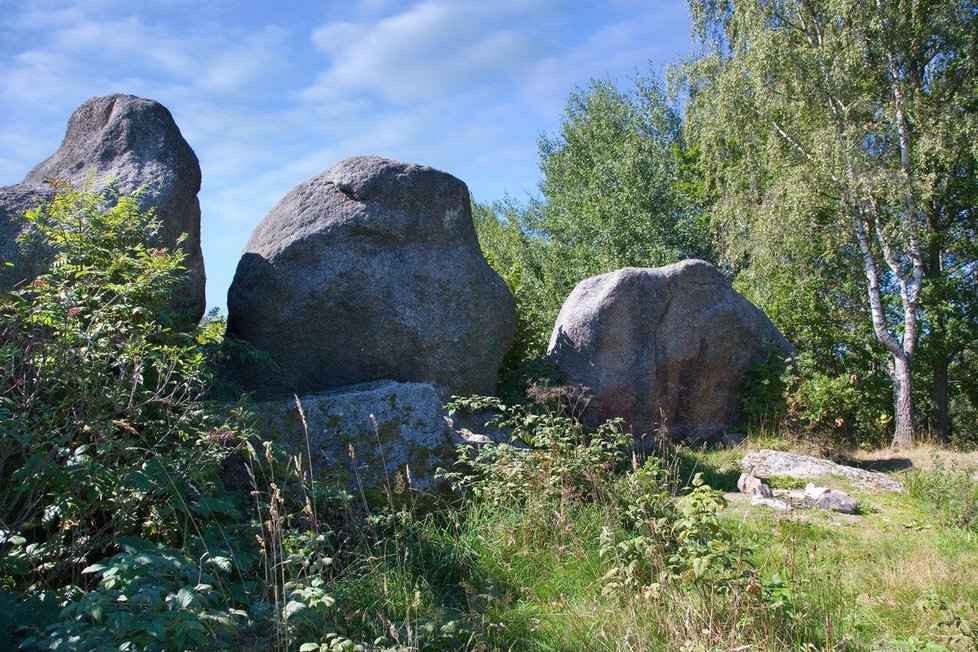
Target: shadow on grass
x,y
884,465
689,462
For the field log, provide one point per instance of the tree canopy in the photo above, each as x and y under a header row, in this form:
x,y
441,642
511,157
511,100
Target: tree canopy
x,y
838,138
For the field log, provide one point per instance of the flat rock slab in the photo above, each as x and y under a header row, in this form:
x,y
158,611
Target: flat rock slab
x,y
370,433
767,463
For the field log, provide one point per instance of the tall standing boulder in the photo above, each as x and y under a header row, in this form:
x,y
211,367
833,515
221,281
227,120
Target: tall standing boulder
x,y
136,143
664,349
370,270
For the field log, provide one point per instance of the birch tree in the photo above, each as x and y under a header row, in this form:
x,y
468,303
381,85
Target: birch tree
x,y
818,114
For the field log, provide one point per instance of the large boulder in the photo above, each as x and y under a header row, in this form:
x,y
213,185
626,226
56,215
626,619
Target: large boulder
x,y
666,349
136,143
376,435
370,270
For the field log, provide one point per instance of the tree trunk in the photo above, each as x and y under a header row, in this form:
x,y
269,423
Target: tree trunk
x,y
903,436
941,359
942,414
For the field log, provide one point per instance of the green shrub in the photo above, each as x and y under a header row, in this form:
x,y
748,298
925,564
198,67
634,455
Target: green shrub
x,y
147,598
103,433
953,491
765,392
100,425
815,404
553,460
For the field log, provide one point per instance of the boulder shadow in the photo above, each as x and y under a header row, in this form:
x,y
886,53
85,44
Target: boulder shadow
x,y
883,465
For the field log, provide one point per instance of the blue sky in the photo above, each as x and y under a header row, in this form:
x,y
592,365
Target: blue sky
x,y
270,94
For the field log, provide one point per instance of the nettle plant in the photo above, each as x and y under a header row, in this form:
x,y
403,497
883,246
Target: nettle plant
x,y
553,460
102,431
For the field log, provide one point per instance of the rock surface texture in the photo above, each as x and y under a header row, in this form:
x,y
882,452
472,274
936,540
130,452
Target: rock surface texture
x,y
748,484
766,463
665,348
837,501
28,259
137,143
370,270
368,433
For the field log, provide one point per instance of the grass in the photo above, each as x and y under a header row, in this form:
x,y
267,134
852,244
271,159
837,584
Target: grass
x,y
903,575
565,559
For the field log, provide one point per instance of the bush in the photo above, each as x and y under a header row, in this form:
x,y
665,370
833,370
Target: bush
x,y
953,491
816,404
100,425
552,461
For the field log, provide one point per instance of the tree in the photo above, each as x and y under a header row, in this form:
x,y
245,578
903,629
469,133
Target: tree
x,y
615,182
618,190
825,118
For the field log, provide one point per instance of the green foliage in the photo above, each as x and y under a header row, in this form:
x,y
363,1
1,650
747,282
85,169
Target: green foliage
x,y
117,529
952,491
764,392
101,428
553,460
834,137
963,406
147,598
833,408
673,540
522,259
814,403
786,482
618,190
614,180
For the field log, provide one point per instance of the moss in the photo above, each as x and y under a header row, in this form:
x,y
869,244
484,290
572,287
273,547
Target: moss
x,y
389,432
787,482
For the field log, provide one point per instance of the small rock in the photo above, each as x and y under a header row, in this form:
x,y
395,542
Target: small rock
x,y
732,439
470,437
796,497
748,484
837,501
813,492
760,501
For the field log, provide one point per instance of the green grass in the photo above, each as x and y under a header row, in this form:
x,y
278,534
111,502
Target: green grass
x,y
515,578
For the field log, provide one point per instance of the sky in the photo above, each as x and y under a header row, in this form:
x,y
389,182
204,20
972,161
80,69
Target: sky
x,y
271,94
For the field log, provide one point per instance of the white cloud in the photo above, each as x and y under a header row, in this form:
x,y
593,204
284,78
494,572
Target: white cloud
x,y
268,97
428,50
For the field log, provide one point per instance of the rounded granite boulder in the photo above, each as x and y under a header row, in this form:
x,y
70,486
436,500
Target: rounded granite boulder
x,y
370,270
665,349
135,143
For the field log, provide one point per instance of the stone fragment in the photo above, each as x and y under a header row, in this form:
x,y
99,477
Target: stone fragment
x,y
748,484
766,463
814,493
837,501
774,503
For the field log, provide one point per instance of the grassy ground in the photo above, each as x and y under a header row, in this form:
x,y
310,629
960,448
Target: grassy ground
x,y
901,575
